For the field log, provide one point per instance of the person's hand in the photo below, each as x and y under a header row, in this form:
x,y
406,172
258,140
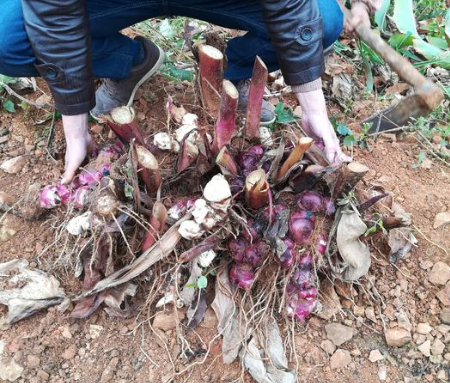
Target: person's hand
x,y
360,15
316,124
78,144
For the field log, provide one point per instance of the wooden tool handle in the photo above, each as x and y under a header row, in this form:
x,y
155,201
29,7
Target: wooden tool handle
x,y
396,61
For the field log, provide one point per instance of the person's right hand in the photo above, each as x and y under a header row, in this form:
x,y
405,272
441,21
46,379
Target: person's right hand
x,y
360,15
78,144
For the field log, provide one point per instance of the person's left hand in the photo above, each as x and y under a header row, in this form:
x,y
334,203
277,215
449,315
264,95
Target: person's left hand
x,y
317,125
360,15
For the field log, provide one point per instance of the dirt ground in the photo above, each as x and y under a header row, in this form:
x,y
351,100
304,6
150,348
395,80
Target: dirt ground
x,y
52,347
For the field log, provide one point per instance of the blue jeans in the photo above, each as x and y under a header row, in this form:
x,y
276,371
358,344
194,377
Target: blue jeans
x,y
113,52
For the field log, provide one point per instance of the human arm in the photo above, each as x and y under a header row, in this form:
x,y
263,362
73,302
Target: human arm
x,y
360,13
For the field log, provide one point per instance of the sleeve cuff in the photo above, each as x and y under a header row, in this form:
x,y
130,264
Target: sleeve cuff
x,y
307,87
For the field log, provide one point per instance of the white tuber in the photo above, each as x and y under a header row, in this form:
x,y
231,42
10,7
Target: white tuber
x,y
218,193
79,224
265,136
165,141
190,230
190,119
205,259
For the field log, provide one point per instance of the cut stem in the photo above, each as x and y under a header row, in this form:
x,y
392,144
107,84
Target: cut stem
x,y
257,189
157,223
295,156
255,97
226,163
187,156
122,123
346,178
226,123
148,169
211,76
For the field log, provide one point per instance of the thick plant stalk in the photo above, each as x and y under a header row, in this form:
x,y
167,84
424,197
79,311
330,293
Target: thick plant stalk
x,y
257,189
148,169
296,155
187,156
255,97
157,223
123,123
226,163
211,76
346,178
226,123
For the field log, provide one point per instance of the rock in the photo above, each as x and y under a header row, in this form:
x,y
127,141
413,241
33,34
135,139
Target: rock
x,y
358,311
437,348
375,356
441,219
425,265
33,361
439,274
445,315
42,375
109,371
66,333
370,314
331,304
338,333
424,328
328,346
397,337
442,375
70,352
444,295
340,359
6,199
95,330
14,165
168,321
9,371
6,233
382,372
425,348
436,359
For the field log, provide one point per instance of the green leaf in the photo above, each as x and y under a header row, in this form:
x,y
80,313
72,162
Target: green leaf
x,y
166,29
420,158
349,140
447,23
202,282
8,105
430,52
177,74
284,116
399,40
403,17
437,42
380,15
7,79
369,74
343,129
128,190
373,56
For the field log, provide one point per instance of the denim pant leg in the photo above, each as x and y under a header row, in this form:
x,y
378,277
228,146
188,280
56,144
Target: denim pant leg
x,y
112,52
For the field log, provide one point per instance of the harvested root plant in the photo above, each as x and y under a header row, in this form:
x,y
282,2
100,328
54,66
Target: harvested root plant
x,y
248,230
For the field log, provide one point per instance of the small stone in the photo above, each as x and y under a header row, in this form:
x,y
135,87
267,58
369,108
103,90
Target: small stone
x,y
95,330
425,265
397,337
370,314
358,311
429,377
382,372
328,346
33,361
6,199
441,375
436,359
340,359
338,333
6,233
356,352
167,322
14,165
445,315
66,333
70,352
42,375
110,370
425,348
444,295
424,328
437,348
375,356
298,111
447,356
439,274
